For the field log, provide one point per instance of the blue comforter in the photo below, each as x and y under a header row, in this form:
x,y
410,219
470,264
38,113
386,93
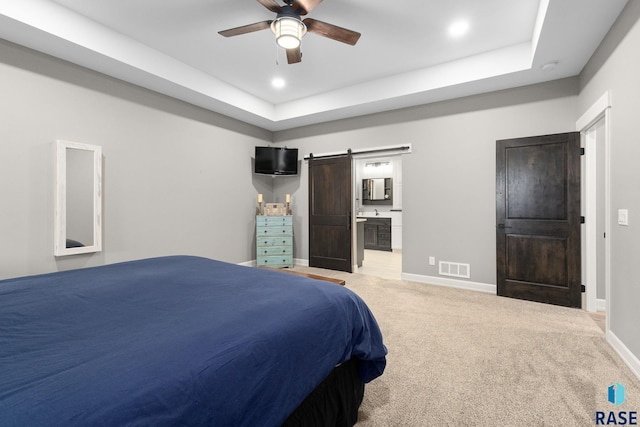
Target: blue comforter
x,y
174,341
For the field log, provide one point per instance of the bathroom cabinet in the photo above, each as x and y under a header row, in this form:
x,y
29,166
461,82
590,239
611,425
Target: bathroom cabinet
x,y
377,234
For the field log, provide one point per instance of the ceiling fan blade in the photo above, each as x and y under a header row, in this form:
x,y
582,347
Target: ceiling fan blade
x,y
271,5
294,55
332,31
305,6
245,29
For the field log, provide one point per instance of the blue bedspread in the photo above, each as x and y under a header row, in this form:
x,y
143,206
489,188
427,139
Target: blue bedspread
x,y
174,341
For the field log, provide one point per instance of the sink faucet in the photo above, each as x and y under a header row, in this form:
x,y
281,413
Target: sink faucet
x,y
377,213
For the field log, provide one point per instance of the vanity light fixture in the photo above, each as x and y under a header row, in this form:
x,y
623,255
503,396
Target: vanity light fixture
x,y
376,164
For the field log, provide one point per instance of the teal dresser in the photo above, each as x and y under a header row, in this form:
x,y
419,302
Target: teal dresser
x,y
274,241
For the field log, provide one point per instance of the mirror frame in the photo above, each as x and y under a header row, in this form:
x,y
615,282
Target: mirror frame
x,y
60,226
367,186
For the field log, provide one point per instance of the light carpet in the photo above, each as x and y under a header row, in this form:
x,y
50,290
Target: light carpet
x,y
465,358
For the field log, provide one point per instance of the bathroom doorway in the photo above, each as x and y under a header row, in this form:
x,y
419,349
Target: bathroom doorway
x,y
377,190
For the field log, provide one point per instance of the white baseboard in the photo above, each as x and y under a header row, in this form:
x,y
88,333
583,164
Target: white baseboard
x,y
251,263
601,305
451,283
625,354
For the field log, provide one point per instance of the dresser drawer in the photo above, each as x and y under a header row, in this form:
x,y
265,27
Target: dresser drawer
x,y
274,250
273,241
270,221
275,261
274,231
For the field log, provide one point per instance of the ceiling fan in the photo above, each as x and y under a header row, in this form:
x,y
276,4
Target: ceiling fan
x,y
289,28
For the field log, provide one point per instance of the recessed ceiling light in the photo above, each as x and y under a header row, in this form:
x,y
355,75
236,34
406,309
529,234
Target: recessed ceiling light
x,y
549,66
278,83
459,28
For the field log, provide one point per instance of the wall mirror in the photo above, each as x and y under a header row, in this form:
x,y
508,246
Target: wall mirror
x,y
78,214
377,191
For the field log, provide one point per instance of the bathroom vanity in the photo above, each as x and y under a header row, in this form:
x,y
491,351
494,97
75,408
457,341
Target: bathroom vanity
x,y
377,234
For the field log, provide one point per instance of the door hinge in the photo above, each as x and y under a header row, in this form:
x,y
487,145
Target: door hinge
x,y
583,288
582,220
582,151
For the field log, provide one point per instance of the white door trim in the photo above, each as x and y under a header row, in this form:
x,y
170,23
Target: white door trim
x,y
600,109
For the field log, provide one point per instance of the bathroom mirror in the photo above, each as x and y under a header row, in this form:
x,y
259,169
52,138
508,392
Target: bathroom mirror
x,y
377,191
78,214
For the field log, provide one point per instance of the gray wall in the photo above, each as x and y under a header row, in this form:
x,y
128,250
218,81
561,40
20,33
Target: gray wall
x,y
177,179
615,67
449,179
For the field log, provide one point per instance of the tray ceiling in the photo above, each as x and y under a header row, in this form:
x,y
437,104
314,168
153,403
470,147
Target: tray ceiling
x,y
405,56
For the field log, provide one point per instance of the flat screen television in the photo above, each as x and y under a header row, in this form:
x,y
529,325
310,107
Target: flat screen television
x,y
276,161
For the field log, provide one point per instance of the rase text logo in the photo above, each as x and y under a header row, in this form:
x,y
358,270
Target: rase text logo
x,y
615,396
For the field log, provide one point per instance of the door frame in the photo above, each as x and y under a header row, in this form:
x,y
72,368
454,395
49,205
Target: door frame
x,y
387,152
601,109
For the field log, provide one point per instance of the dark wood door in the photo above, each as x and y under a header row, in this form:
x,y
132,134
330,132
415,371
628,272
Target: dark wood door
x,y
538,218
330,201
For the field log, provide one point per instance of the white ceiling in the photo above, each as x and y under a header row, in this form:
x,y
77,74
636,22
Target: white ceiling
x,y
405,56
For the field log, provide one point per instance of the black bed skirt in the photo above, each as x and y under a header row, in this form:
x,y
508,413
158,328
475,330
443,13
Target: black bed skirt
x,y
334,403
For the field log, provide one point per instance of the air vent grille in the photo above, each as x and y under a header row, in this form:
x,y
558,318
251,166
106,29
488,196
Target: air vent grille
x,y
454,269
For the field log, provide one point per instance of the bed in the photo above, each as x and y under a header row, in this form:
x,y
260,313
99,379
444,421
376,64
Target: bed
x,y
182,340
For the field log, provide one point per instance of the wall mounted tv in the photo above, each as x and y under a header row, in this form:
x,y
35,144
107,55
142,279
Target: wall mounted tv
x,y
276,161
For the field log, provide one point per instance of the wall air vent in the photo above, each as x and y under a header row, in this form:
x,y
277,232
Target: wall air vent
x,y
454,269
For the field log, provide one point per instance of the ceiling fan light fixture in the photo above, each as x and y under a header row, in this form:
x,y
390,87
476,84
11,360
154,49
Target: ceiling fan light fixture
x,y
288,31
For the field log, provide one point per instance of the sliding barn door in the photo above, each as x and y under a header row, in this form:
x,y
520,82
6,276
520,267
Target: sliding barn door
x,y
538,218
330,202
